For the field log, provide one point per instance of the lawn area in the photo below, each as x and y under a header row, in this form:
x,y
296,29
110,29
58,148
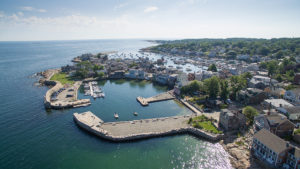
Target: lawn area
x,y
62,78
203,122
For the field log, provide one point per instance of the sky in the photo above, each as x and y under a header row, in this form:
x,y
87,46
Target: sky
x,y
27,20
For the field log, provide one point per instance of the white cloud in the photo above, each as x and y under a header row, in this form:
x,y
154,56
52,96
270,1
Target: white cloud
x,y
27,8
30,8
150,9
20,13
120,6
1,14
42,10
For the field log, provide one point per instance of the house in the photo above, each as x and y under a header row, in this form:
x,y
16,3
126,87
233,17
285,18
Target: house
x,y
278,104
293,96
261,82
131,74
293,159
161,78
243,57
293,112
275,92
117,74
182,80
191,76
275,123
252,96
297,79
269,148
232,121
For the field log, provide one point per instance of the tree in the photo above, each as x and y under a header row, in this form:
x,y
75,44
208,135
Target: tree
x,y
194,86
237,83
272,66
212,68
212,86
250,112
224,89
100,74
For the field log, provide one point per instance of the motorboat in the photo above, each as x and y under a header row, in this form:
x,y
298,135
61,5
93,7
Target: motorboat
x,y
135,113
116,116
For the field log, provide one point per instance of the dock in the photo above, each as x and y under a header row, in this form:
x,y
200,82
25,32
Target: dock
x,y
160,97
139,129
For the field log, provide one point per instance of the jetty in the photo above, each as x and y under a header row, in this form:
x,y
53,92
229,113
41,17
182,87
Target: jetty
x,y
139,129
160,97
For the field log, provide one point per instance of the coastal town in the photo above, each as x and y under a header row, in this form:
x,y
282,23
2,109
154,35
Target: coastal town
x,y
245,103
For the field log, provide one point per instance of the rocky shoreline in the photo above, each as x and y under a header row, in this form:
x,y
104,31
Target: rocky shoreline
x,y
239,150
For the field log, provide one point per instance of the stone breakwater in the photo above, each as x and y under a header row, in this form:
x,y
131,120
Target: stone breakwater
x,y
140,129
160,97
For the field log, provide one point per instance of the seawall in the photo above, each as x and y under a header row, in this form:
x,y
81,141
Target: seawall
x,y
140,129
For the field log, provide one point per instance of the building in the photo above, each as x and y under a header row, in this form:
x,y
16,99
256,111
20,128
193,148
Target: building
x,y
278,104
269,148
275,123
297,79
252,96
293,112
293,159
261,82
232,121
293,96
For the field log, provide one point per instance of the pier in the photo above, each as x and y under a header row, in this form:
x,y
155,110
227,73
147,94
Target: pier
x,y
160,97
140,129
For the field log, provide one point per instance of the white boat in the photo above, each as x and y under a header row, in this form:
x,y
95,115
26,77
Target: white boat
x,y
135,113
116,116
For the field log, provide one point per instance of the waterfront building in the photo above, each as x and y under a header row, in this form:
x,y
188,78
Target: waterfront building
x,y
232,120
270,148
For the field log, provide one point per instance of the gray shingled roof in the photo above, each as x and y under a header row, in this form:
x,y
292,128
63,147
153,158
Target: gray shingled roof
x,y
270,140
293,109
276,118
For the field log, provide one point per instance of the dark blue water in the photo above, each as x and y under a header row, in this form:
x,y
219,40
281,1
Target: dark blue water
x,y
34,138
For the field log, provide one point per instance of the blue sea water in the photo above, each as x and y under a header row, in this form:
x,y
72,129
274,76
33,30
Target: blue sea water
x,y
31,137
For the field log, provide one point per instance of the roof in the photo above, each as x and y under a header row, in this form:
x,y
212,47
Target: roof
x,y
270,140
296,91
276,118
278,102
292,109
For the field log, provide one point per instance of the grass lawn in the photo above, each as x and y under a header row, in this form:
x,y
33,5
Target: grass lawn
x,y
202,122
62,78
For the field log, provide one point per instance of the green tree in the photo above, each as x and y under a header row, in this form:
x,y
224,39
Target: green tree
x,y
212,68
224,89
237,83
272,67
212,86
250,112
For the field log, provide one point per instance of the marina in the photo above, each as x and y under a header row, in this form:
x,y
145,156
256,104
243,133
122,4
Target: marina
x,y
92,89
